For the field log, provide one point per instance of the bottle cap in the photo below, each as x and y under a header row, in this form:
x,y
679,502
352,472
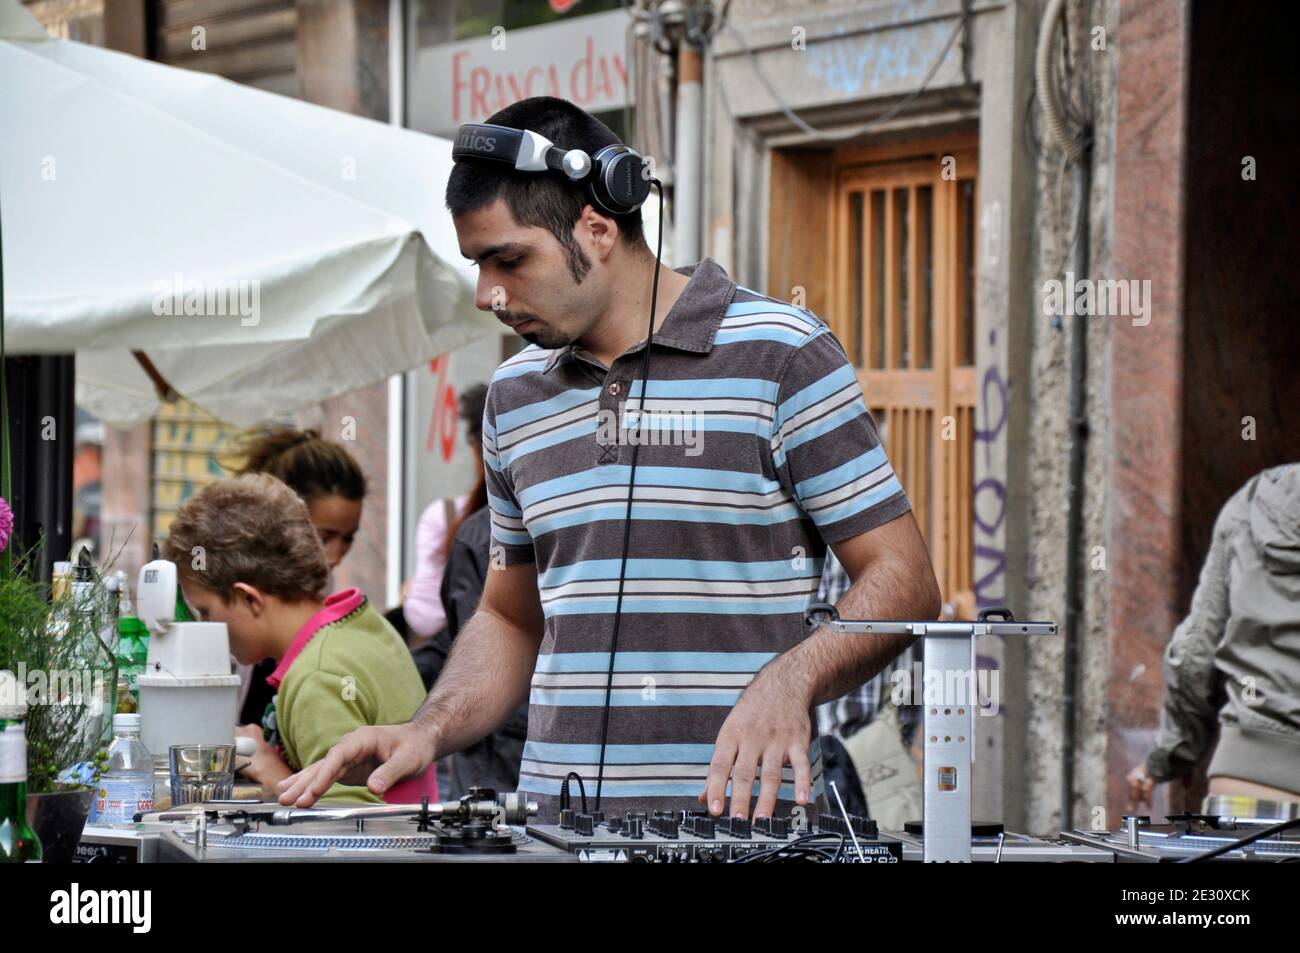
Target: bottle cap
x,y
126,722
83,570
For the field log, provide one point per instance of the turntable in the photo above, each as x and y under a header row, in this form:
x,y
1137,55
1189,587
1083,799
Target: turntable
x,y
478,827
1187,837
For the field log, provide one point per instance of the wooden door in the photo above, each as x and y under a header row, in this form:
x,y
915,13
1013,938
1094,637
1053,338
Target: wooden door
x,y
902,288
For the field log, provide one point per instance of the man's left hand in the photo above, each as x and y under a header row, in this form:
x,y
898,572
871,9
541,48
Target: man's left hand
x,y
768,728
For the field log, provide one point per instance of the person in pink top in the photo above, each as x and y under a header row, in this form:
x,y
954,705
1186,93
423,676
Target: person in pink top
x,y
338,665
422,605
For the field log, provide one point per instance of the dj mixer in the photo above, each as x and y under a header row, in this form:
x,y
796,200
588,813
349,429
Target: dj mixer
x,y
484,828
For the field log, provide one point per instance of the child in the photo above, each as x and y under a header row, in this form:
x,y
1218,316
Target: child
x,y
247,555
331,483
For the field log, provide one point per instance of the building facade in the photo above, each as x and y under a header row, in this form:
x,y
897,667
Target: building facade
x,y
1061,279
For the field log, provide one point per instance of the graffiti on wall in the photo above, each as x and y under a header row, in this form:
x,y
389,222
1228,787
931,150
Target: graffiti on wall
x,y
869,62
990,503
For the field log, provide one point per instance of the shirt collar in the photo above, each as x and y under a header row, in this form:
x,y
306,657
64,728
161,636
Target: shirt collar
x,y
693,321
337,606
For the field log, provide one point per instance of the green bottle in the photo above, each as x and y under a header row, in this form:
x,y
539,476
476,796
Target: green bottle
x,y
132,652
18,842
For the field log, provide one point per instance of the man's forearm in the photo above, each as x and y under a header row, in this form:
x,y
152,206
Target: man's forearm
x,y
486,678
828,664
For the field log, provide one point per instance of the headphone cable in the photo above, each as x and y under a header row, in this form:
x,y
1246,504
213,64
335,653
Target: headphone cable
x,y
631,481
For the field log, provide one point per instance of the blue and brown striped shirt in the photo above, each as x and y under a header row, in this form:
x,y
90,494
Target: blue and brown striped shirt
x,y
756,451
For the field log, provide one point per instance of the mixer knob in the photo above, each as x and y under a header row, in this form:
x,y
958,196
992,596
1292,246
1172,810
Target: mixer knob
x,y
635,827
584,824
863,826
615,824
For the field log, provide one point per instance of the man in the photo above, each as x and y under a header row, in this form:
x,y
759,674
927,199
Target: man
x,y
1234,662
715,674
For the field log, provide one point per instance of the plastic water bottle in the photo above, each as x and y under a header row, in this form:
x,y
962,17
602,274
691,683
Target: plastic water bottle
x,y
127,786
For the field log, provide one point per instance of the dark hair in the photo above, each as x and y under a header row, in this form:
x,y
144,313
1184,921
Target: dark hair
x,y
312,466
544,200
473,400
251,529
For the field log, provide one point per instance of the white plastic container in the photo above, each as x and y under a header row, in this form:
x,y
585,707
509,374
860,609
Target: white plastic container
x,y
186,649
194,710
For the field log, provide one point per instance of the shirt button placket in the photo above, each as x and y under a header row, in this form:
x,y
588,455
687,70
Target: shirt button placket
x,y
610,396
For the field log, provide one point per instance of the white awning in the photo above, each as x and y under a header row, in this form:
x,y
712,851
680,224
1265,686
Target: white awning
x,y
264,253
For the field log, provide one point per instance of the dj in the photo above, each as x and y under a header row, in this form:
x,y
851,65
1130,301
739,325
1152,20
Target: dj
x,y
664,655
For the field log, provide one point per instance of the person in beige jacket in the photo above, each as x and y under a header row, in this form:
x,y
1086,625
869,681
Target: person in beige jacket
x,y
1235,659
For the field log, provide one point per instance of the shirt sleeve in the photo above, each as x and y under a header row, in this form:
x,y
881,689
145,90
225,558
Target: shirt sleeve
x,y
825,447
511,543
1189,713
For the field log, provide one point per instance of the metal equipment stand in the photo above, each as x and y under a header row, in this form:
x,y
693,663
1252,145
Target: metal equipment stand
x,y
949,724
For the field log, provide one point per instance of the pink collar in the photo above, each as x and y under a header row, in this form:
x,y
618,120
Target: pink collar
x,y
337,606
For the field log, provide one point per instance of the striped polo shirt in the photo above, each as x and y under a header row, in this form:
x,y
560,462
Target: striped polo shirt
x,y
756,450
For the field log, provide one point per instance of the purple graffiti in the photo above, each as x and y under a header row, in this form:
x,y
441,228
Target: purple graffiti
x,y
987,435
990,589
993,485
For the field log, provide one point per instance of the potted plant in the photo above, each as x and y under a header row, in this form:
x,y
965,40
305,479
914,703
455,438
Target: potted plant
x,y
53,657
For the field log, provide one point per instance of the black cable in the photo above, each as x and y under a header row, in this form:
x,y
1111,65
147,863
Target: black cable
x,y
564,791
1242,841
631,481
799,845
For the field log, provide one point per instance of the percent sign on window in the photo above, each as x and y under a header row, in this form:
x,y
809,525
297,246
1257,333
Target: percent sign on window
x,y
442,424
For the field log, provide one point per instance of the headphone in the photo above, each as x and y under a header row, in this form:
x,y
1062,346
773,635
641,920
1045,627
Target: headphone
x,y
612,177
613,181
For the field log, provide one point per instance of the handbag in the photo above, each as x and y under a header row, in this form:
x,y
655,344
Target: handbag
x,y
885,767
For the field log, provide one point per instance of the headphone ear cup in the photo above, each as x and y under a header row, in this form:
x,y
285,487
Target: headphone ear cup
x,y
618,185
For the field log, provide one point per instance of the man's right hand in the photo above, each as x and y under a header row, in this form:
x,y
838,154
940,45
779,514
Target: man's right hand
x,y
1140,786
377,756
